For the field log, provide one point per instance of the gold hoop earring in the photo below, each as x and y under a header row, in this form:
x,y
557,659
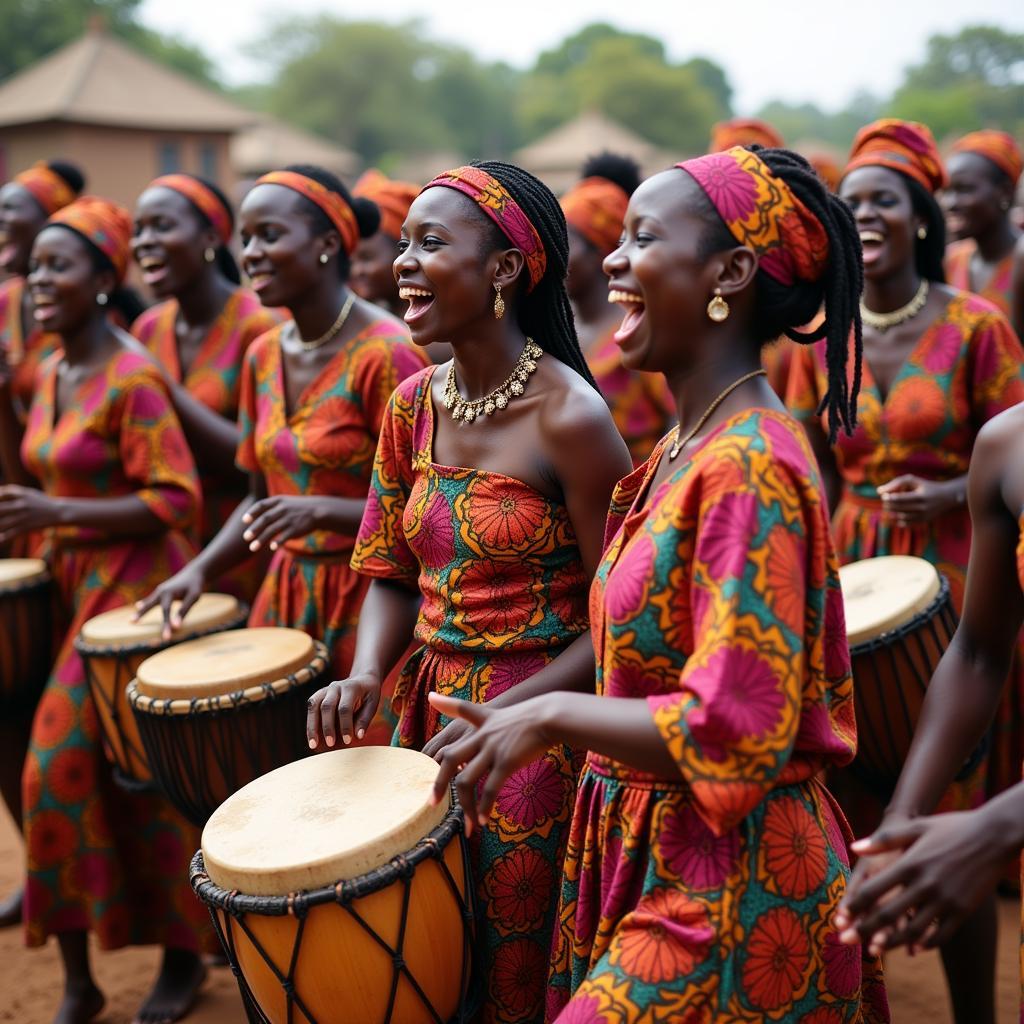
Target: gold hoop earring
x,y
718,308
209,254
499,303
922,232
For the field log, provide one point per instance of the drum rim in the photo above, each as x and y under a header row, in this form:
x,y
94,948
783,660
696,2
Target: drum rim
x,y
343,892
155,646
14,587
870,644
142,703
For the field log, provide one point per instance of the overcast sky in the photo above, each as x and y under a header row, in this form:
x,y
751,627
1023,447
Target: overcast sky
x,y
821,50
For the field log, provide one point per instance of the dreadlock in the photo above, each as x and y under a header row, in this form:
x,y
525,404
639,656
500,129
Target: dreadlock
x,y
780,309
366,212
544,314
614,167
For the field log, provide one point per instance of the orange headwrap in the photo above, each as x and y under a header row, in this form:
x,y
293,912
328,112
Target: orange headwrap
x,y
827,169
393,199
47,187
999,147
904,146
743,131
103,223
204,199
760,210
339,213
596,208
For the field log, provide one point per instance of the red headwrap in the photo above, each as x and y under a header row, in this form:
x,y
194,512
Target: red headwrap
x,y
103,223
47,187
999,147
393,199
761,211
743,131
596,208
905,146
339,213
490,195
204,199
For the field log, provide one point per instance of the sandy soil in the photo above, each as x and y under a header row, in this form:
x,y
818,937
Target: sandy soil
x,y
30,980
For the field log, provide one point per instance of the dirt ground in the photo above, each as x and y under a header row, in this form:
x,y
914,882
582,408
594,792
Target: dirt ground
x,y
30,980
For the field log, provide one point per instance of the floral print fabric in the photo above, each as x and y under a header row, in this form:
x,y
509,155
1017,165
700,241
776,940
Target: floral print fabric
x,y
708,897
504,592
100,859
999,287
24,352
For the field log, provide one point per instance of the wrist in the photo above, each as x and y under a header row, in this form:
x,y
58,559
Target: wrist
x,y
62,512
549,711
956,493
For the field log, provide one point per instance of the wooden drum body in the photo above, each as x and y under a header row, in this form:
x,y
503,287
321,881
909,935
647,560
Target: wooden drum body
x,y
340,895
218,712
26,630
113,647
899,622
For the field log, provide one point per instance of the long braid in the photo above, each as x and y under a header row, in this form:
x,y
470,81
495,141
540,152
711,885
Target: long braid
x,y
545,313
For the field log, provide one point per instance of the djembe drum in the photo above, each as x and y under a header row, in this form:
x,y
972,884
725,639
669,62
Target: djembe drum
x,y
340,895
899,621
218,712
112,647
26,631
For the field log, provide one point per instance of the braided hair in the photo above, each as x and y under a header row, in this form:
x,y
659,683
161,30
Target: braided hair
x,y
366,212
544,314
620,170
780,309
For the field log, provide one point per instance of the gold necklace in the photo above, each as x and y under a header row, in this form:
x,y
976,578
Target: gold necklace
x,y
681,443
331,332
513,386
883,321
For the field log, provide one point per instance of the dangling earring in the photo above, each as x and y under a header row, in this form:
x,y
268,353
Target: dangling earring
x,y
922,232
718,308
499,303
210,254
324,257
101,299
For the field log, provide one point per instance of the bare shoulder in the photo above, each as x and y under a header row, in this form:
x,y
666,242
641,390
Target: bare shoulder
x,y
568,401
997,462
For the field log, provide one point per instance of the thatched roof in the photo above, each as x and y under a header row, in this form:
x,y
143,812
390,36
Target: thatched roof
x,y
270,143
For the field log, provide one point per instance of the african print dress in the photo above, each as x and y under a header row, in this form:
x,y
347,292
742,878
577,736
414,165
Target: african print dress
x,y
214,378
709,896
25,352
998,290
967,367
504,592
100,859
325,446
640,403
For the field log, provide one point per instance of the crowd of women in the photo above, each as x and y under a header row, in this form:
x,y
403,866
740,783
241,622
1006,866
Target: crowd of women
x,y
564,486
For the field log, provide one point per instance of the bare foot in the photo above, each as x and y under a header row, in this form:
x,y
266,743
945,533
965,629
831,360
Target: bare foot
x,y
80,1004
176,988
10,909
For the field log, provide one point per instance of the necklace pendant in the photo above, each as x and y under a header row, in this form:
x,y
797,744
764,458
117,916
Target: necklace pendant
x,y
470,414
501,400
489,408
449,400
457,411
516,387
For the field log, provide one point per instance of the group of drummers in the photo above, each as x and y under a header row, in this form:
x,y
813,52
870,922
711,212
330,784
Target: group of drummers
x,y
620,558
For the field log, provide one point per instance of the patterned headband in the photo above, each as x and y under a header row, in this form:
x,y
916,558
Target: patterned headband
x,y
762,212
490,195
999,147
596,208
339,213
204,199
904,146
47,187
102,223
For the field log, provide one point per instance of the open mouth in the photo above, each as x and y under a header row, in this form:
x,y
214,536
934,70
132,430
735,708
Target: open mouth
x,y
871,243
260,281
419,299
635,311
44,308
153,269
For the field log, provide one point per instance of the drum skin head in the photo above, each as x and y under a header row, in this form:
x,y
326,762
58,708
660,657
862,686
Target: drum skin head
x,y
885,593
327,818
21,570
115,628
224,662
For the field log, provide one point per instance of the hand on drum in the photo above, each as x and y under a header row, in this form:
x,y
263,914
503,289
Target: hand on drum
x,y
23,509
502,740
451,733
935,872
186,586
272,521
909,499
343,708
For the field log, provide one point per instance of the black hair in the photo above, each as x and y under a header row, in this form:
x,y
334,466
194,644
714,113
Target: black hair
x,y
366,212
225,261
929,252
71,173
617,168
544,313
781,309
